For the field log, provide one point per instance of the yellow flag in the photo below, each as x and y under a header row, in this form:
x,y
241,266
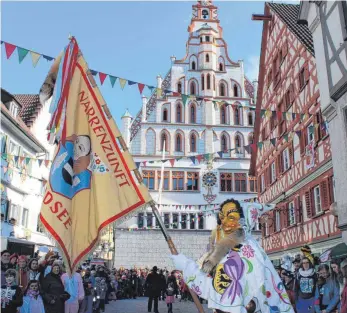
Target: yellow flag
x,y
159,92
93,180
122,82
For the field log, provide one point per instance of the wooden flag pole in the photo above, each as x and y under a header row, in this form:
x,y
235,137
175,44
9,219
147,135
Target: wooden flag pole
x,y
173,251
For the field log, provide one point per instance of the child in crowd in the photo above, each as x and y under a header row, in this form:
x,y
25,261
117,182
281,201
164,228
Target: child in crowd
x,y
11,294
32,300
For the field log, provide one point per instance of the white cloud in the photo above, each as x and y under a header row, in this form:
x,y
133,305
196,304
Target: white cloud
x,y
252,67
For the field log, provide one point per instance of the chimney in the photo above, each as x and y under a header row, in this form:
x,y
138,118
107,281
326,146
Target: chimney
x,y
242,77
159,81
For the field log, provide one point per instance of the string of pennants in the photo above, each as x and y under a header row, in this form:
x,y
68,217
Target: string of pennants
x,y
35,57
8,169
249,148
22,160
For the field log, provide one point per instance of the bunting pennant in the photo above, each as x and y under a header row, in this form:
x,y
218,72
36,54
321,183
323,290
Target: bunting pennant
x,y
184,99
21,54
48,58
112,80
141,86
159,92
248,149
199,158
253,147
220,153
35,57
94,73
27,161
172,162
122,82
298,133
192,159
40,162
262,113
273,141
260,145
150,88
286,137
46,163
102,77
130,83
138,164
16,159
144,163
9,49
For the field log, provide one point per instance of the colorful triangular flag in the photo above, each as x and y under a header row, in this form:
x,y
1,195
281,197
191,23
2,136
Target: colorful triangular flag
x,y
40,162
27,161
9,48
138,164
35,58
141,86
253,147
298,133
172,162
192,158
159,92
16,157
122,82
94,73
102,77
273,141
150,88
48,58
112,80
130,83
22,53
199,157
185,99
46,163
260,145
220,153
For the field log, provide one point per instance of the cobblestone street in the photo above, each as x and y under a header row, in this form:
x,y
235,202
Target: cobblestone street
x,y
139,305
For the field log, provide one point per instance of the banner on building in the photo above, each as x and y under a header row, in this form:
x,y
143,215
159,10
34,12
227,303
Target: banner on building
x,y
309,161
93,179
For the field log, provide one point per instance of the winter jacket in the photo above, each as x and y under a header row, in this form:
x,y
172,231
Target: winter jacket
x,y
154,284
11,299
327,296
74,287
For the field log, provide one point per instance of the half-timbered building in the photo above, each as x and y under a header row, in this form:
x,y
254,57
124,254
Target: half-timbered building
x,y
327,21
292,158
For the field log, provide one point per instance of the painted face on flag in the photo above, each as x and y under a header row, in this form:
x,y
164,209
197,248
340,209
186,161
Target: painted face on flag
x,y
82,147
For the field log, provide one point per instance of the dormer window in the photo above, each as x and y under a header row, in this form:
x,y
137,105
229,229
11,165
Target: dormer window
x,y
14,109
207,38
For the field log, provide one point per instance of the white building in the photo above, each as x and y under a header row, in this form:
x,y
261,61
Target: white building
x,y
199,126
327,20
22,176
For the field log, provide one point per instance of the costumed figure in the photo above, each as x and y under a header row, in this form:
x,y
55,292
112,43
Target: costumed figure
x,y
11,294
33,270
32,300
236,271
22,270
74,287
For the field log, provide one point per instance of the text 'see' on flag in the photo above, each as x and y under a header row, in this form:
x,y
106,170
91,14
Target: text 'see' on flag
x,y
93,179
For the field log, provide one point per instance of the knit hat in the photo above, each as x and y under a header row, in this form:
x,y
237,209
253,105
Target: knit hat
x,y
14,255
306,250
23,257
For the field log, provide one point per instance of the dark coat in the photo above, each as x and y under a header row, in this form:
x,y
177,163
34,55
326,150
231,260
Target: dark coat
x,y
172,280
15,302
154,284
53,289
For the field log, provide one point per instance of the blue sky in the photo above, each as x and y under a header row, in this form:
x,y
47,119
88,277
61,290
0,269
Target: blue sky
x,y
133,40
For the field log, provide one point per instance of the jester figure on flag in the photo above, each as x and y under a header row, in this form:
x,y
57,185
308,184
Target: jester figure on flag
x,y
91,182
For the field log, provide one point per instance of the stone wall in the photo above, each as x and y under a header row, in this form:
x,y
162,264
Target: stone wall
x,y
143,248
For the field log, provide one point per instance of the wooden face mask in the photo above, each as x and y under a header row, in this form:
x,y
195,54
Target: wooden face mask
x,y
229,217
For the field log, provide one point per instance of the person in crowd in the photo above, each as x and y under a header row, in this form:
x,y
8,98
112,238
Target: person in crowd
x,y
22,270
336,273
163,285
154,286
5,263
32,300
74,287
134,282
343,267
88,285
327,295
53,291
101,291
306,287
33,269
113,286
289,280
14,259
171,290
46,265
11,294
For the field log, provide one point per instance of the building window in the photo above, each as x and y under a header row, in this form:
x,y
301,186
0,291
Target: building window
x,y
14,109
192,114
250,119
165,182
277,220
167,220
252,184
179,87
273,172
200,39
165,115
208,81
291,213
310,133
240,182
221,67
202,82
192,88
25,216
192,181
224,143
149,218
201,221
214,83
193,66
207,58
192,221
321,129
175,220
140,218
207,38
317,200
223,119
303,76
184,219
148,179
236,91
262,183
222,90
178,180
236,116
178,143
192,143
226,181
286,160
238,143
179,113
164,144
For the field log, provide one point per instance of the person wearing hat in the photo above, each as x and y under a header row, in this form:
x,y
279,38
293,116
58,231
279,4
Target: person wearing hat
x,y
22,270
154,286
5,263
11,294
53,291
289,284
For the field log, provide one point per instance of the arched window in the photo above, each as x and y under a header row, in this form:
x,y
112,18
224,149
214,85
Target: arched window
x,y
193,66
214,83
202,82
164,144
192,143
224,143
236,91
237,142
236,116
221,67
192,114
250,118
178,143
207,58
179,87
192,88
178,113
208,81
223,118
165,115
222,90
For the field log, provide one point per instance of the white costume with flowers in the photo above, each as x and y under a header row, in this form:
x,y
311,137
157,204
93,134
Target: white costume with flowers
x,y
241,276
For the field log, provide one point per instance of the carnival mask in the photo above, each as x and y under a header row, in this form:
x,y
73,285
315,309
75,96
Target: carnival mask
x,y
230,217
